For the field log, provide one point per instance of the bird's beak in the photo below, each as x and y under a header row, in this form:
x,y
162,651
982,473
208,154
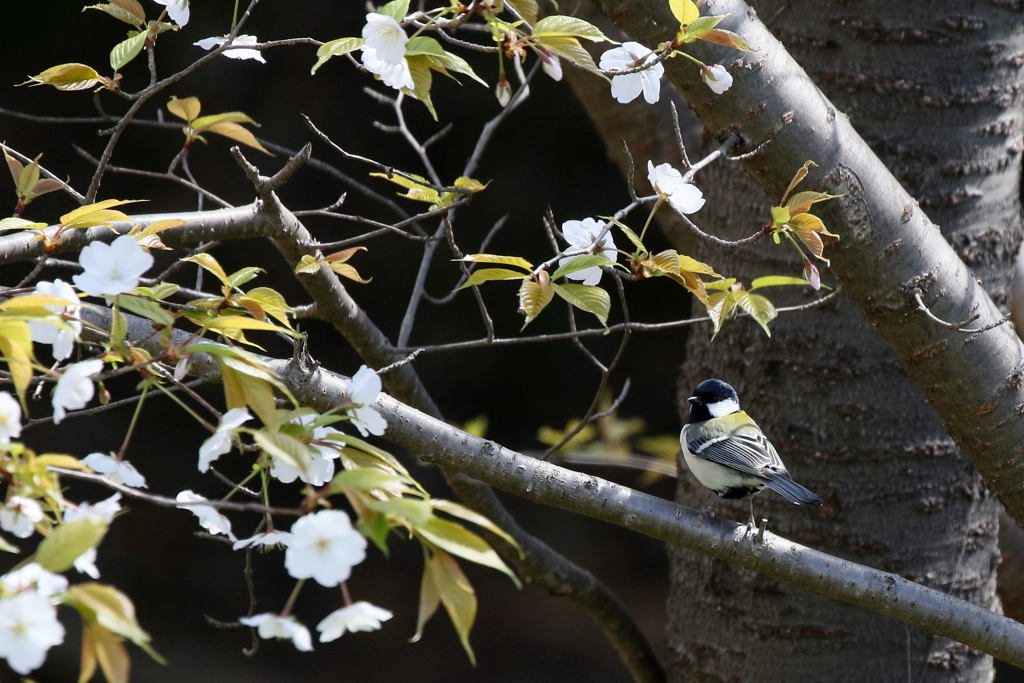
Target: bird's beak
x,y
694,400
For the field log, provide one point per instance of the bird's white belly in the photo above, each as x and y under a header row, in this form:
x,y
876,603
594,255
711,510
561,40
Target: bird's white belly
x,y
717,477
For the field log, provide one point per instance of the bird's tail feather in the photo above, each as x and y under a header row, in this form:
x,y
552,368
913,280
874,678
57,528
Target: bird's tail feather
x,y
791,490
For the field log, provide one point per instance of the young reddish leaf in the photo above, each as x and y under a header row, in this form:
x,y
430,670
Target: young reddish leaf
x,y
128,11
203,123
694,285
187,108
14,165
801,202
343,255
111,653
47,185
720,36
347,271
533,298
797,177
456,595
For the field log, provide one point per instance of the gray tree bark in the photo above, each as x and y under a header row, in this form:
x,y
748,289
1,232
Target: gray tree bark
x,y
933,93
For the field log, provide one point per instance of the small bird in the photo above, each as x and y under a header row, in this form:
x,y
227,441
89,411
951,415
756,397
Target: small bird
x,y
728,452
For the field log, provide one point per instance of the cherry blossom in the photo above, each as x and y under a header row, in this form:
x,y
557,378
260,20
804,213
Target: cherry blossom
x,y
10,417
395,76
176,9
19,516
209,518
28,628
551,64
668,182
217,41
285,628
362,391
267,541
112,269
385,37
361,616
221,441
583,235
117,471
33,577
627,87
324,547
717,78
74,388
62,339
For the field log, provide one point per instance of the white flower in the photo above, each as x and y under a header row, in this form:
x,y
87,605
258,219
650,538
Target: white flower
x,y
667,181
112,269
362,616
176,9
318,472
221,441
217,41
551,64
395,76
19,515
325,547
286,628
385,37
117,471
28,628
104,510
362,391
717,78
33,577
10,417
627,87
209,518
74,388
63,340
267,541
583,235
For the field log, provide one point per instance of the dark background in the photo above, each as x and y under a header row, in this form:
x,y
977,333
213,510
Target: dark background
x,y
545,155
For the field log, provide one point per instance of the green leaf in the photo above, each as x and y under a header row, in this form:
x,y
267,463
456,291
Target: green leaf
x,y
127,50
208,262
462,542
13,223
581,262
244,275
533,298
462,512
701,24
759,308
424,45
630,235
187,108
147,308
335,48
272,302
287,449
112,609
721,284
307,265
775,281
7,547
396,9
455,63
590,299
368,448
68,77
684,11
527,9
720,308
58,551
487,274
560,25
118,329
419,68
365,479
570,48
412,510
504,260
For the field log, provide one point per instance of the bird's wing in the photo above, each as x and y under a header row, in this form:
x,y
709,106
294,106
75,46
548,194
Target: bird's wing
x,y
744,448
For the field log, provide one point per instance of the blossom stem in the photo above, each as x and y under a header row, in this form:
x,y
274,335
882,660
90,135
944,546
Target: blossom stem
x,y
234,18
693,59
427,25
291,598
654,210
345,594
131,425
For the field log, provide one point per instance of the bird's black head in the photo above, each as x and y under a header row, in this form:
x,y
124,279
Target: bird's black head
x,y
712,398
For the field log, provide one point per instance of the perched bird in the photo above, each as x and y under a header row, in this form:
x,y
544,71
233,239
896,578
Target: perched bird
x,y
729,454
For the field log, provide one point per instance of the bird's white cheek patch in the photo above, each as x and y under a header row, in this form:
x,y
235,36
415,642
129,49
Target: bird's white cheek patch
x,y
723,408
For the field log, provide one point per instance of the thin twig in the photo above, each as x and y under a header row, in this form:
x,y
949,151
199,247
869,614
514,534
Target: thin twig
x,y
961,326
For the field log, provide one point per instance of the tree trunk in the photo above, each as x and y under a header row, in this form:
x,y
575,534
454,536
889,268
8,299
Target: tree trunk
x,y
932,96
